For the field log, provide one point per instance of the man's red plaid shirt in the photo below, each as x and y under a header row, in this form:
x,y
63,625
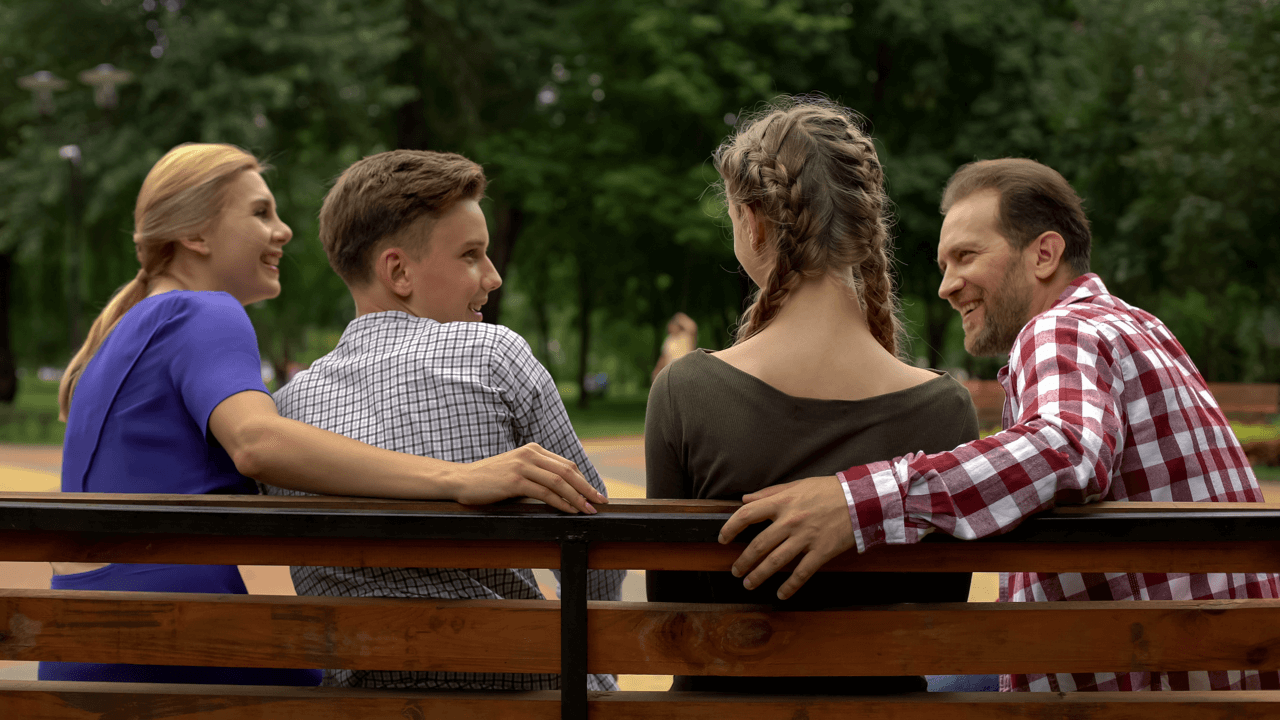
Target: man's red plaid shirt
x,y
1102,402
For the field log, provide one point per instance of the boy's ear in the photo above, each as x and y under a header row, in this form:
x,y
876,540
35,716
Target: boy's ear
x,y
391,269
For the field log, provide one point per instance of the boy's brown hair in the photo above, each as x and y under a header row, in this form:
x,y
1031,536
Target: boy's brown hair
x,y
378,197
1034,199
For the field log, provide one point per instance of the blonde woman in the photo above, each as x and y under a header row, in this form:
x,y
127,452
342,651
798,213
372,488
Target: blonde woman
x,y
166,396
814,381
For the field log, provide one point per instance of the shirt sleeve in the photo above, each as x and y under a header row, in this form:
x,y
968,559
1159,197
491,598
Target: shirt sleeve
x,y
1061,449
539,416
214,355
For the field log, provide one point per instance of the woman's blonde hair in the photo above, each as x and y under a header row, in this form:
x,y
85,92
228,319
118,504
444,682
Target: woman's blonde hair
x,y
184,193
804,166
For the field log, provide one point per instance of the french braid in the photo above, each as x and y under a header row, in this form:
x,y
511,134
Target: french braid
x,y
806,169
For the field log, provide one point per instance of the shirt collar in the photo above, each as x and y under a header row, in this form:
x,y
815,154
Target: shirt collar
x,y
1082,289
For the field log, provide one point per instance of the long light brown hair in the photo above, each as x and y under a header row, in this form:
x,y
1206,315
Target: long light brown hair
x,y
805,167
184,193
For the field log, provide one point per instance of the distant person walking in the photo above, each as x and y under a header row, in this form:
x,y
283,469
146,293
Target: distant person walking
x,y
682,339
166,396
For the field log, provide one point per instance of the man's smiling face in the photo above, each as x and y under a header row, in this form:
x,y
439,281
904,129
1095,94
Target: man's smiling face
x,y
983,277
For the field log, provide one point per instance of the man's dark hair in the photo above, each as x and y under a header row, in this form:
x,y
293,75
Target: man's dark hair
x,y
1034,199
383,194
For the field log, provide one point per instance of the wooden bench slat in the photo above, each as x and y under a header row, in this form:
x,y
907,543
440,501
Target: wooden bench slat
x,y
40,546
996,556
148,701
279,632
940,639
83,701
636,638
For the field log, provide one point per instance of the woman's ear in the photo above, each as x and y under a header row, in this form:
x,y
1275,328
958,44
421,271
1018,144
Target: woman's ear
x,y
755,228
195,244
393,272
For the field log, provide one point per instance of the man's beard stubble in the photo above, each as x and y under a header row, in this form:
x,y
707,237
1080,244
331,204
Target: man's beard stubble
x,y
1007,312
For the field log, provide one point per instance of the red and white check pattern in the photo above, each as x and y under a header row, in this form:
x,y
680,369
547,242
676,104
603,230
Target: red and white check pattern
x,y
1102,402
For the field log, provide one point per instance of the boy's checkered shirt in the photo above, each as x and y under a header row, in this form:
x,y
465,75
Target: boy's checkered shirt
x,y
1101,403
459,392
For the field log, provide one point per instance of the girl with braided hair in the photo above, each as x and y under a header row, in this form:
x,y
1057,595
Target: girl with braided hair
x,y
814,380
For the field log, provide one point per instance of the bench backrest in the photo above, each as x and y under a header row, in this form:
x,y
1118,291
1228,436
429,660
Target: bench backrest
x,y
575,637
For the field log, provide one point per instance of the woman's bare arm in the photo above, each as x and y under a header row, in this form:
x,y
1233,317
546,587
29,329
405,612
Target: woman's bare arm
x,y
291,454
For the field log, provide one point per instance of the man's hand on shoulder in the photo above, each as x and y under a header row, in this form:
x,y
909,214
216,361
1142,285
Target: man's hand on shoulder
x,y
810,518
528,471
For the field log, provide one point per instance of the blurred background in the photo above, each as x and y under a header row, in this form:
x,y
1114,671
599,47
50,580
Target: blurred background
x,y
595,122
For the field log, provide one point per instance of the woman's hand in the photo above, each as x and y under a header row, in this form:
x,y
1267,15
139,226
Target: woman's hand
x,y
809,516
529,471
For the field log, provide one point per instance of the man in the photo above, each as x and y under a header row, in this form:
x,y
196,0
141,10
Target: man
x,y
1102,402
417,372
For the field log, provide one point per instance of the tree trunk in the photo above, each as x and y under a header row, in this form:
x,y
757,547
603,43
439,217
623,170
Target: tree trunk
x,y
412,132
584,330
8,374
507,223
936,317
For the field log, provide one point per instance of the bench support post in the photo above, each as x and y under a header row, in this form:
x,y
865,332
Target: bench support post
x,y
573,628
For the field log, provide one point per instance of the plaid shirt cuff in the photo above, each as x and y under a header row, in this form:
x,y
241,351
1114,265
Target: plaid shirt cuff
x,y
875,505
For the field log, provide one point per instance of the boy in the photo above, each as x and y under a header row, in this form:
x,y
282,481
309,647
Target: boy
x,y
417,372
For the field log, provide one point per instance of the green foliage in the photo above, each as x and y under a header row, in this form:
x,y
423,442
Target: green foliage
x,y
596,123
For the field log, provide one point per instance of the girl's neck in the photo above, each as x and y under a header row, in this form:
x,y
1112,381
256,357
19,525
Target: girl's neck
x,y
819,346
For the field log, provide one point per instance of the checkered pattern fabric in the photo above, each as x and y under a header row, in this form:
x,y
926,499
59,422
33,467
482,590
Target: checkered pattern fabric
x,y
460,392
1102,403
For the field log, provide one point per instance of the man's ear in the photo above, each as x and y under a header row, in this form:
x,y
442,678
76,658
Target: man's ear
x,y
195,244
392,270
1047,258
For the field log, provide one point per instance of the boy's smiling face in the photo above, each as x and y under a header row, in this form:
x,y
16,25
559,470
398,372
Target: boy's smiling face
x,y
453,277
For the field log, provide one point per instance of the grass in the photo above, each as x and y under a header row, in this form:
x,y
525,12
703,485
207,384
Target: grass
x,y
32,419
607,417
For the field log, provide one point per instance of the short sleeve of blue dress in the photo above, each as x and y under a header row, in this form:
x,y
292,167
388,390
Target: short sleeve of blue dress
x,y
140,416
139,423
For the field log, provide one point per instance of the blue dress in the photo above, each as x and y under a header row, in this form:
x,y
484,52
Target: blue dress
x,y
139,424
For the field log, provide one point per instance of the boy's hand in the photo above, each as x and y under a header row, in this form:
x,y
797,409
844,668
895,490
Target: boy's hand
x,y
528,471
810,517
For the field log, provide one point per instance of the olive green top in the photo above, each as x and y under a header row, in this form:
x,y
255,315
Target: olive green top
x,y
715,432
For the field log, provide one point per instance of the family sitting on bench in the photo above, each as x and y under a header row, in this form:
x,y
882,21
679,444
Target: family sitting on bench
x,y
420,400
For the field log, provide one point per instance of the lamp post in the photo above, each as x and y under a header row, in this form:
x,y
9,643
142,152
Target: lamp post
x,y
42,84
104,79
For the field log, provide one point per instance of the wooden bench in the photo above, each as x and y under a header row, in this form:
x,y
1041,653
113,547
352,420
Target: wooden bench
x,y
576,637
1254,402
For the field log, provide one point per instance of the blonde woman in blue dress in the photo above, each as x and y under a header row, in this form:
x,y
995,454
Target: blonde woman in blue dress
x,y
166,396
